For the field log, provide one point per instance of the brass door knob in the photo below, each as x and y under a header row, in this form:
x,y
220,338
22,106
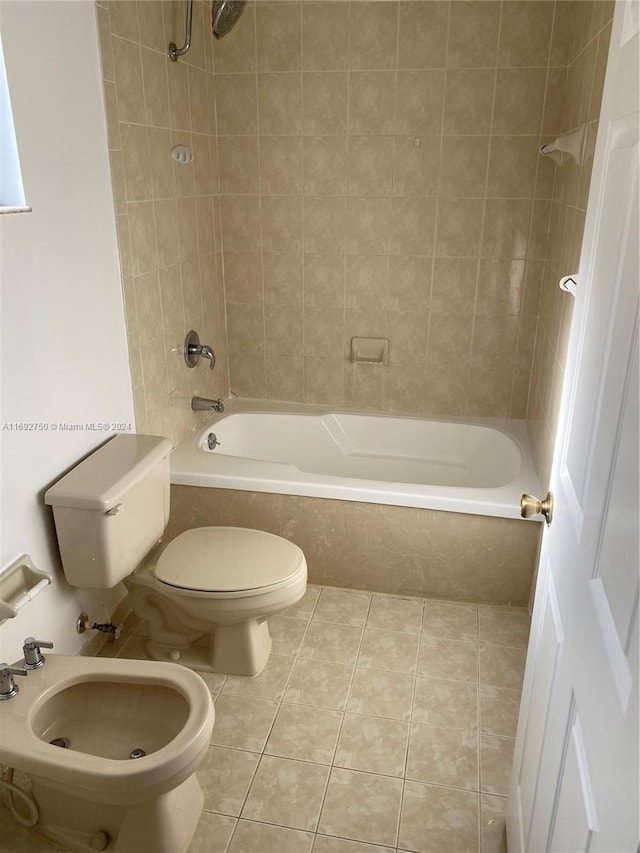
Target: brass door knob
x,y
531,506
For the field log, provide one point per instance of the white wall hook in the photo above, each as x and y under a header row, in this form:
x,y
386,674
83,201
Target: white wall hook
x,y
182,154
572,144
569,283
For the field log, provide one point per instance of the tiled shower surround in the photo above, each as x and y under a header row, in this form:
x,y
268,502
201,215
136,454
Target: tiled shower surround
x,y
365,168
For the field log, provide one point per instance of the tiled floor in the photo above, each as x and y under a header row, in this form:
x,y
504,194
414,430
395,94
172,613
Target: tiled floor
x,y
379,724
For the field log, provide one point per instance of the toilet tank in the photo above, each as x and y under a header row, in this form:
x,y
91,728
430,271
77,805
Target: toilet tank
x,y
111,509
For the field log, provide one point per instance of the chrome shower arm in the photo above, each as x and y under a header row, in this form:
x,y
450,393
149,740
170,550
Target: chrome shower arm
x,y
174,51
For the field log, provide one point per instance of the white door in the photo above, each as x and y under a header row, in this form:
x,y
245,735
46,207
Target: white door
x,y
574,785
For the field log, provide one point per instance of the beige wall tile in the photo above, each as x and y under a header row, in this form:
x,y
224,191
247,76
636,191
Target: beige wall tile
x,y
135,158
373,28
324,225
500,287
238,163
325,37
282,223
468,101
366,281
419,97
325,165
422,34
323,333
513,163
525,33
241,223
368,221
449,339
409,286
371,102
325,99
324,281
279,37
285,378
323,381
463,171
416,167
283,329
412,226
473,34
370,165
236,104
280,165
128,74
280,97
519,100
459,227
454,285
283,280
506,228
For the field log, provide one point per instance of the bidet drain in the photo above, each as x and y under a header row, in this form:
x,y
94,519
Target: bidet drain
x,y
137,753
62,742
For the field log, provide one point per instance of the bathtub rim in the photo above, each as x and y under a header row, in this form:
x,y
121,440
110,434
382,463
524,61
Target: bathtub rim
x,y
191,466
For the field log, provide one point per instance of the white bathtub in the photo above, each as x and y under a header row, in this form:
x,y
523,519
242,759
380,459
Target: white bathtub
x,y
478,466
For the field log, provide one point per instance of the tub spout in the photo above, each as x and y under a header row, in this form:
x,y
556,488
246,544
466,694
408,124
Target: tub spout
x,y
203,404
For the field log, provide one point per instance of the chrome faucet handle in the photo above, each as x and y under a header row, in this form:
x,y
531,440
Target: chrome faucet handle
x,y
193,349
7,686
33,657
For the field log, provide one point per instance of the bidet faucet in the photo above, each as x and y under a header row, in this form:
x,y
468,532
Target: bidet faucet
x,y
33,657
203,404
7,687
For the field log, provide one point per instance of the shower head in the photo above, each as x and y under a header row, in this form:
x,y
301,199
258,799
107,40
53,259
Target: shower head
x,y
224,14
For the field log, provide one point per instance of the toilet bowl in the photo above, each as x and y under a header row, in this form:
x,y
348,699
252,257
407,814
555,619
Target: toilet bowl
x,y
111,747
205,596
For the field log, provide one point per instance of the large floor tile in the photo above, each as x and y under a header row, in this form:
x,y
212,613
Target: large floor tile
x,y
493,834
329,844
213,833
332,643
252,837
502,666
243,722
504,626
443,757
342,606
287,634
269,684
390,613
496,756
307,604
450,621
455,659
324,685
287,793
499,709
390,650
441,702
225,776
373,744
434,820
361,807
381,694
308,734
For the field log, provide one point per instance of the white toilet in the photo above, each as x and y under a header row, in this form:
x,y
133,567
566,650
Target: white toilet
x,y
205,596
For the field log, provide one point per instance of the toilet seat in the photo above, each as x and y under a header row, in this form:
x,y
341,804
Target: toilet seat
x,y
228,561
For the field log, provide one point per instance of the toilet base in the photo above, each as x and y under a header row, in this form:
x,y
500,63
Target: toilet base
x,y
241,648
163,825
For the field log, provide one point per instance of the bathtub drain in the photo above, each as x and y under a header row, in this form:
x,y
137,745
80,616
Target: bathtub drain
x,y
62,742
137,753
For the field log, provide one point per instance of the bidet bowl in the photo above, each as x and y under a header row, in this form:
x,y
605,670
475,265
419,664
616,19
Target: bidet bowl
x,y
107,709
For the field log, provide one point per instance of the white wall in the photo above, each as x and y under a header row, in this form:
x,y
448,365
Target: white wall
x,y
64,353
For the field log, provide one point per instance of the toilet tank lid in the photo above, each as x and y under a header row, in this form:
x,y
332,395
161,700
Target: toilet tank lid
x,y
104,477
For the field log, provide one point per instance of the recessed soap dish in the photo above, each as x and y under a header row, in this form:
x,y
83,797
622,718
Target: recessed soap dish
x,y
369,350
19,583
